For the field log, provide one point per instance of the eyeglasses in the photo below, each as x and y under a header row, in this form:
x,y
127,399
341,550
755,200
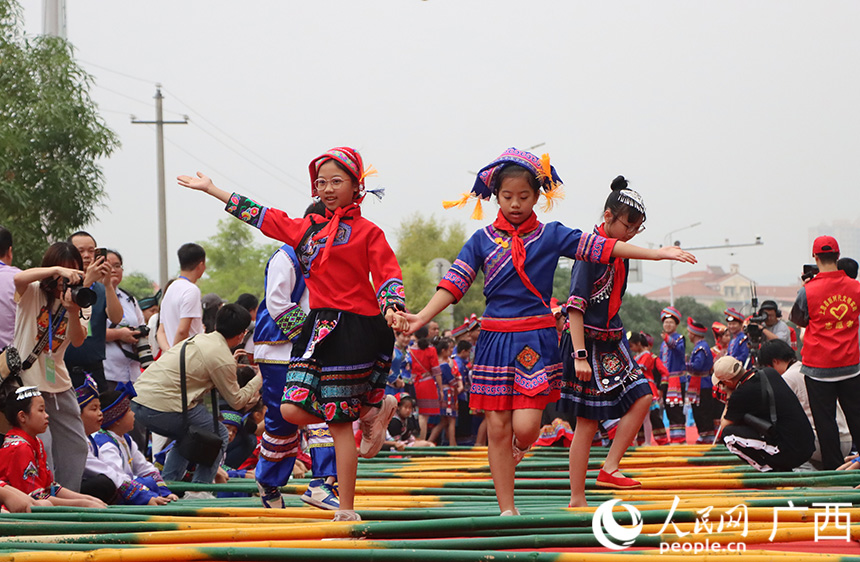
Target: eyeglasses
x,y
321,184
631,229
117,267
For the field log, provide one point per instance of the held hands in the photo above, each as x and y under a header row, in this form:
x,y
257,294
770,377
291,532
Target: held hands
x,y
583,369
158,500
675,253
412,322
396,320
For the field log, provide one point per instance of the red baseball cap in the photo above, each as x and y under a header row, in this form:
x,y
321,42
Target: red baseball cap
x,y
825,245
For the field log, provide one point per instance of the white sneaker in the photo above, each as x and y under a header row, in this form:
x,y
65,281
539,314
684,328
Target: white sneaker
x,y
346,515
508,512
374,425
198,496
518,453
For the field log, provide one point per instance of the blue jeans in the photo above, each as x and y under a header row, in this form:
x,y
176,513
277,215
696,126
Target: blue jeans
x,y
171,426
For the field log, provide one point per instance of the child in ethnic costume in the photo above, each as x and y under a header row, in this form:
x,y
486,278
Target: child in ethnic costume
x,y
602,380
280,318
673,354
341,358
517,368
427,374
23,459
654,370
700,388
137,480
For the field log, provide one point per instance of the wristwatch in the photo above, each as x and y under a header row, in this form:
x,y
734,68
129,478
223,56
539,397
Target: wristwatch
x,y
580,354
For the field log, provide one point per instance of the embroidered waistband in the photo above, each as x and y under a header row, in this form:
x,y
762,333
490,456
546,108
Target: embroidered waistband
x,y
521,324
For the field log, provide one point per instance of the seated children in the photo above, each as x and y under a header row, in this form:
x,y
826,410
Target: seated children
x,y
403,428
138,482
23,460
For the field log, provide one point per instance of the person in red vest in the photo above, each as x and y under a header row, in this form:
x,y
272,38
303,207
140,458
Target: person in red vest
x,y
828,306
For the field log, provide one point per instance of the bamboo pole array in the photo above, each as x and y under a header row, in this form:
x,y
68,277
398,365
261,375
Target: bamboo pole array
x,y
696,503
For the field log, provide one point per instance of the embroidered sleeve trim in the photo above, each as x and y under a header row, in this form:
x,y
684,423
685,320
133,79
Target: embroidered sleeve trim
x,y
595,248
577,303
391,295
134,492
458,279
291,321
246,210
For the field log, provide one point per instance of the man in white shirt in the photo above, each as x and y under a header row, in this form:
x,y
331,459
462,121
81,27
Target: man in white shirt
x,y
181,310
779,355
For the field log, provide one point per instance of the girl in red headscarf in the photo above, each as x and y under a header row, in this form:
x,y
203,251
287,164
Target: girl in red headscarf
x,y
342,356
517,367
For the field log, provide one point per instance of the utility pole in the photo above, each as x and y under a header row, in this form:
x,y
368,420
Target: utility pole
x,y
672,262
162,200
54,18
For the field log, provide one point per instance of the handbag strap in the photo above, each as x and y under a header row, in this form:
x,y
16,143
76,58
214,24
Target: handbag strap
x,y
767,395
184,389
43,341
182,385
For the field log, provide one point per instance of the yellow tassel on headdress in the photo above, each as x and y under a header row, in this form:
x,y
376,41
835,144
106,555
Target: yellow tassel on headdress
x,y
552,197
478,213
546,168
368,172
459,203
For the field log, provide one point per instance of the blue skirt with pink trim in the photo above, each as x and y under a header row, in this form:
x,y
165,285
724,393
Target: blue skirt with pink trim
x,y
515,370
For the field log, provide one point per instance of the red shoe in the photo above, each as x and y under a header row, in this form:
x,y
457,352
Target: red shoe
x,y
607,480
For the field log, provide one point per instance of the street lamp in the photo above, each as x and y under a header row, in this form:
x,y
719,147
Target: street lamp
x,y
668,240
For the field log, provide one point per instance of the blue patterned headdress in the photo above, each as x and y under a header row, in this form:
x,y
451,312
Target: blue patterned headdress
x,y
115,411
87,391
486,182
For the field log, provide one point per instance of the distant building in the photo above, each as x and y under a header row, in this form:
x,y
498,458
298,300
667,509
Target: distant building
x,y
847,233
714,284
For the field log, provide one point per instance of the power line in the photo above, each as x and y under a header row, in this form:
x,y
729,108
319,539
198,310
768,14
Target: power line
x,y
129,76
231,137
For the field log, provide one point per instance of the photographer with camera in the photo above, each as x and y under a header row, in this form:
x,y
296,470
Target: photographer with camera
x,y
769,318
763,422
208,363
828,305
48,320
88,358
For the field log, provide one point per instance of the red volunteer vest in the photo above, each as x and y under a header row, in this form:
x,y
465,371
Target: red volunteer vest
x,y
831,338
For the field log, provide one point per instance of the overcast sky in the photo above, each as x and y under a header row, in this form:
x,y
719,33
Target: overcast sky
x,y
740,115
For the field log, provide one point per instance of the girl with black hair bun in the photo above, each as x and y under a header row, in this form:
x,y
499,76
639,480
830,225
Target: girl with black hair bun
x,y
602,380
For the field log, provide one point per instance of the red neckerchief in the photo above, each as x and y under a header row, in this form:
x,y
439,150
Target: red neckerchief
x,y
330,230
518,248
617,282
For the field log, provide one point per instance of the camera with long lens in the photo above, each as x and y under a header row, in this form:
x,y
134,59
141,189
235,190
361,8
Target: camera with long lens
x,y
142,348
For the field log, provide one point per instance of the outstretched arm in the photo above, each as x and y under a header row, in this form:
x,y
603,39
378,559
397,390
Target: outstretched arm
x,y
629,251
439,302
203,183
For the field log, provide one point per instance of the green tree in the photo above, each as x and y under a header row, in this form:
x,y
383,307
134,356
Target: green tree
x,y
235,264
50,139
138,284
643,314
419,241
